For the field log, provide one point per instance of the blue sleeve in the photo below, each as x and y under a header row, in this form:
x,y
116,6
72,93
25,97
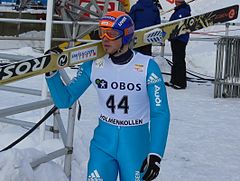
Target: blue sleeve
x,y
159,110
65,95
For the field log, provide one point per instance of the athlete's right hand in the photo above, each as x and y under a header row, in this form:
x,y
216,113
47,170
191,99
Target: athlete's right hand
x,y
151,167
54,50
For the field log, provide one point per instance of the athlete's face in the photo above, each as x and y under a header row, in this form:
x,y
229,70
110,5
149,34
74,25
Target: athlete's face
x,y
111,46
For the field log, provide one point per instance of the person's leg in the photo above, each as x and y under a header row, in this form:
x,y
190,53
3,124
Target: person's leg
x,y
132,150
181,65
101,166
178,71
174,61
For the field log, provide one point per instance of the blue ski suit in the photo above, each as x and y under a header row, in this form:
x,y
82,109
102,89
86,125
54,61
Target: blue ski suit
x,y
134,113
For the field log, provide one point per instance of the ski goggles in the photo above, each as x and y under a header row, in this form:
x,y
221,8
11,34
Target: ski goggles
x,y
109,33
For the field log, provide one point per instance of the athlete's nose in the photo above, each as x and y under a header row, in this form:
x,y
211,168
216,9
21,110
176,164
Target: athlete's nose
x,y
105,38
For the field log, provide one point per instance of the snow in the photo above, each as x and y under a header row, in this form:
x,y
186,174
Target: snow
x,y
203,142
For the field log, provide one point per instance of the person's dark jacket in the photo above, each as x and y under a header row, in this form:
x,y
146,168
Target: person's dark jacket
x,y
181,11
144,13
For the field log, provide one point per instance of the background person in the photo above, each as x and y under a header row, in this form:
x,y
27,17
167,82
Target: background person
x,y
144,14
178,46
125,5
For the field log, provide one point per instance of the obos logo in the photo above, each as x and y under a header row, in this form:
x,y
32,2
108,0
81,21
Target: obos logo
x,y
62,60
103,84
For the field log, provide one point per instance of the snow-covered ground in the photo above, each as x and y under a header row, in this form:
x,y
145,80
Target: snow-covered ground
x,y
203,142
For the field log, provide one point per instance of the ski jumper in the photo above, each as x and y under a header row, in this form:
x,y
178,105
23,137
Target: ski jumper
x,y
134,114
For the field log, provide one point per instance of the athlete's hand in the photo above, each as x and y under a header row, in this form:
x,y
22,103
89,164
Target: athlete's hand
x,y
54,50
151,167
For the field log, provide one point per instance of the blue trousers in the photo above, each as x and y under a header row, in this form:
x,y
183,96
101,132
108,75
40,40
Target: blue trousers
x,y
118,150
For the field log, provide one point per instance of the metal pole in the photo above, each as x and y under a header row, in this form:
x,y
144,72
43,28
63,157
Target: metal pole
x,y
55,125
162,48
47,45
69,141
227,29
70,130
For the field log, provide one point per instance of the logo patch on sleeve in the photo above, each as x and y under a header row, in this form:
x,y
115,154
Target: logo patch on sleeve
x,y
153,78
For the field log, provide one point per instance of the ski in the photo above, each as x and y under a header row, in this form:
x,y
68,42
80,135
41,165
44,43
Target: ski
x,y
187,25
94,50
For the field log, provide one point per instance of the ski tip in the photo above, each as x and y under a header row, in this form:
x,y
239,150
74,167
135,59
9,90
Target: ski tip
x,y
233,12
226,14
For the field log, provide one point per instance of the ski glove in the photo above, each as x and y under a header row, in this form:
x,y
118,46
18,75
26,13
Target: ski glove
x,y
151,167
54,50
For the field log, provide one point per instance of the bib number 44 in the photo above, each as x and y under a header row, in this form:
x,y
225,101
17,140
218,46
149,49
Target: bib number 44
x,y
122,104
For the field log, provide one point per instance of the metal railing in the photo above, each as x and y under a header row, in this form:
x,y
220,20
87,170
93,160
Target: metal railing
x,y
32,21
227,73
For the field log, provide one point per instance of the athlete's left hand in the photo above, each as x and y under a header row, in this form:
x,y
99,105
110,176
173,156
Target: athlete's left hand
x,y
151,167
